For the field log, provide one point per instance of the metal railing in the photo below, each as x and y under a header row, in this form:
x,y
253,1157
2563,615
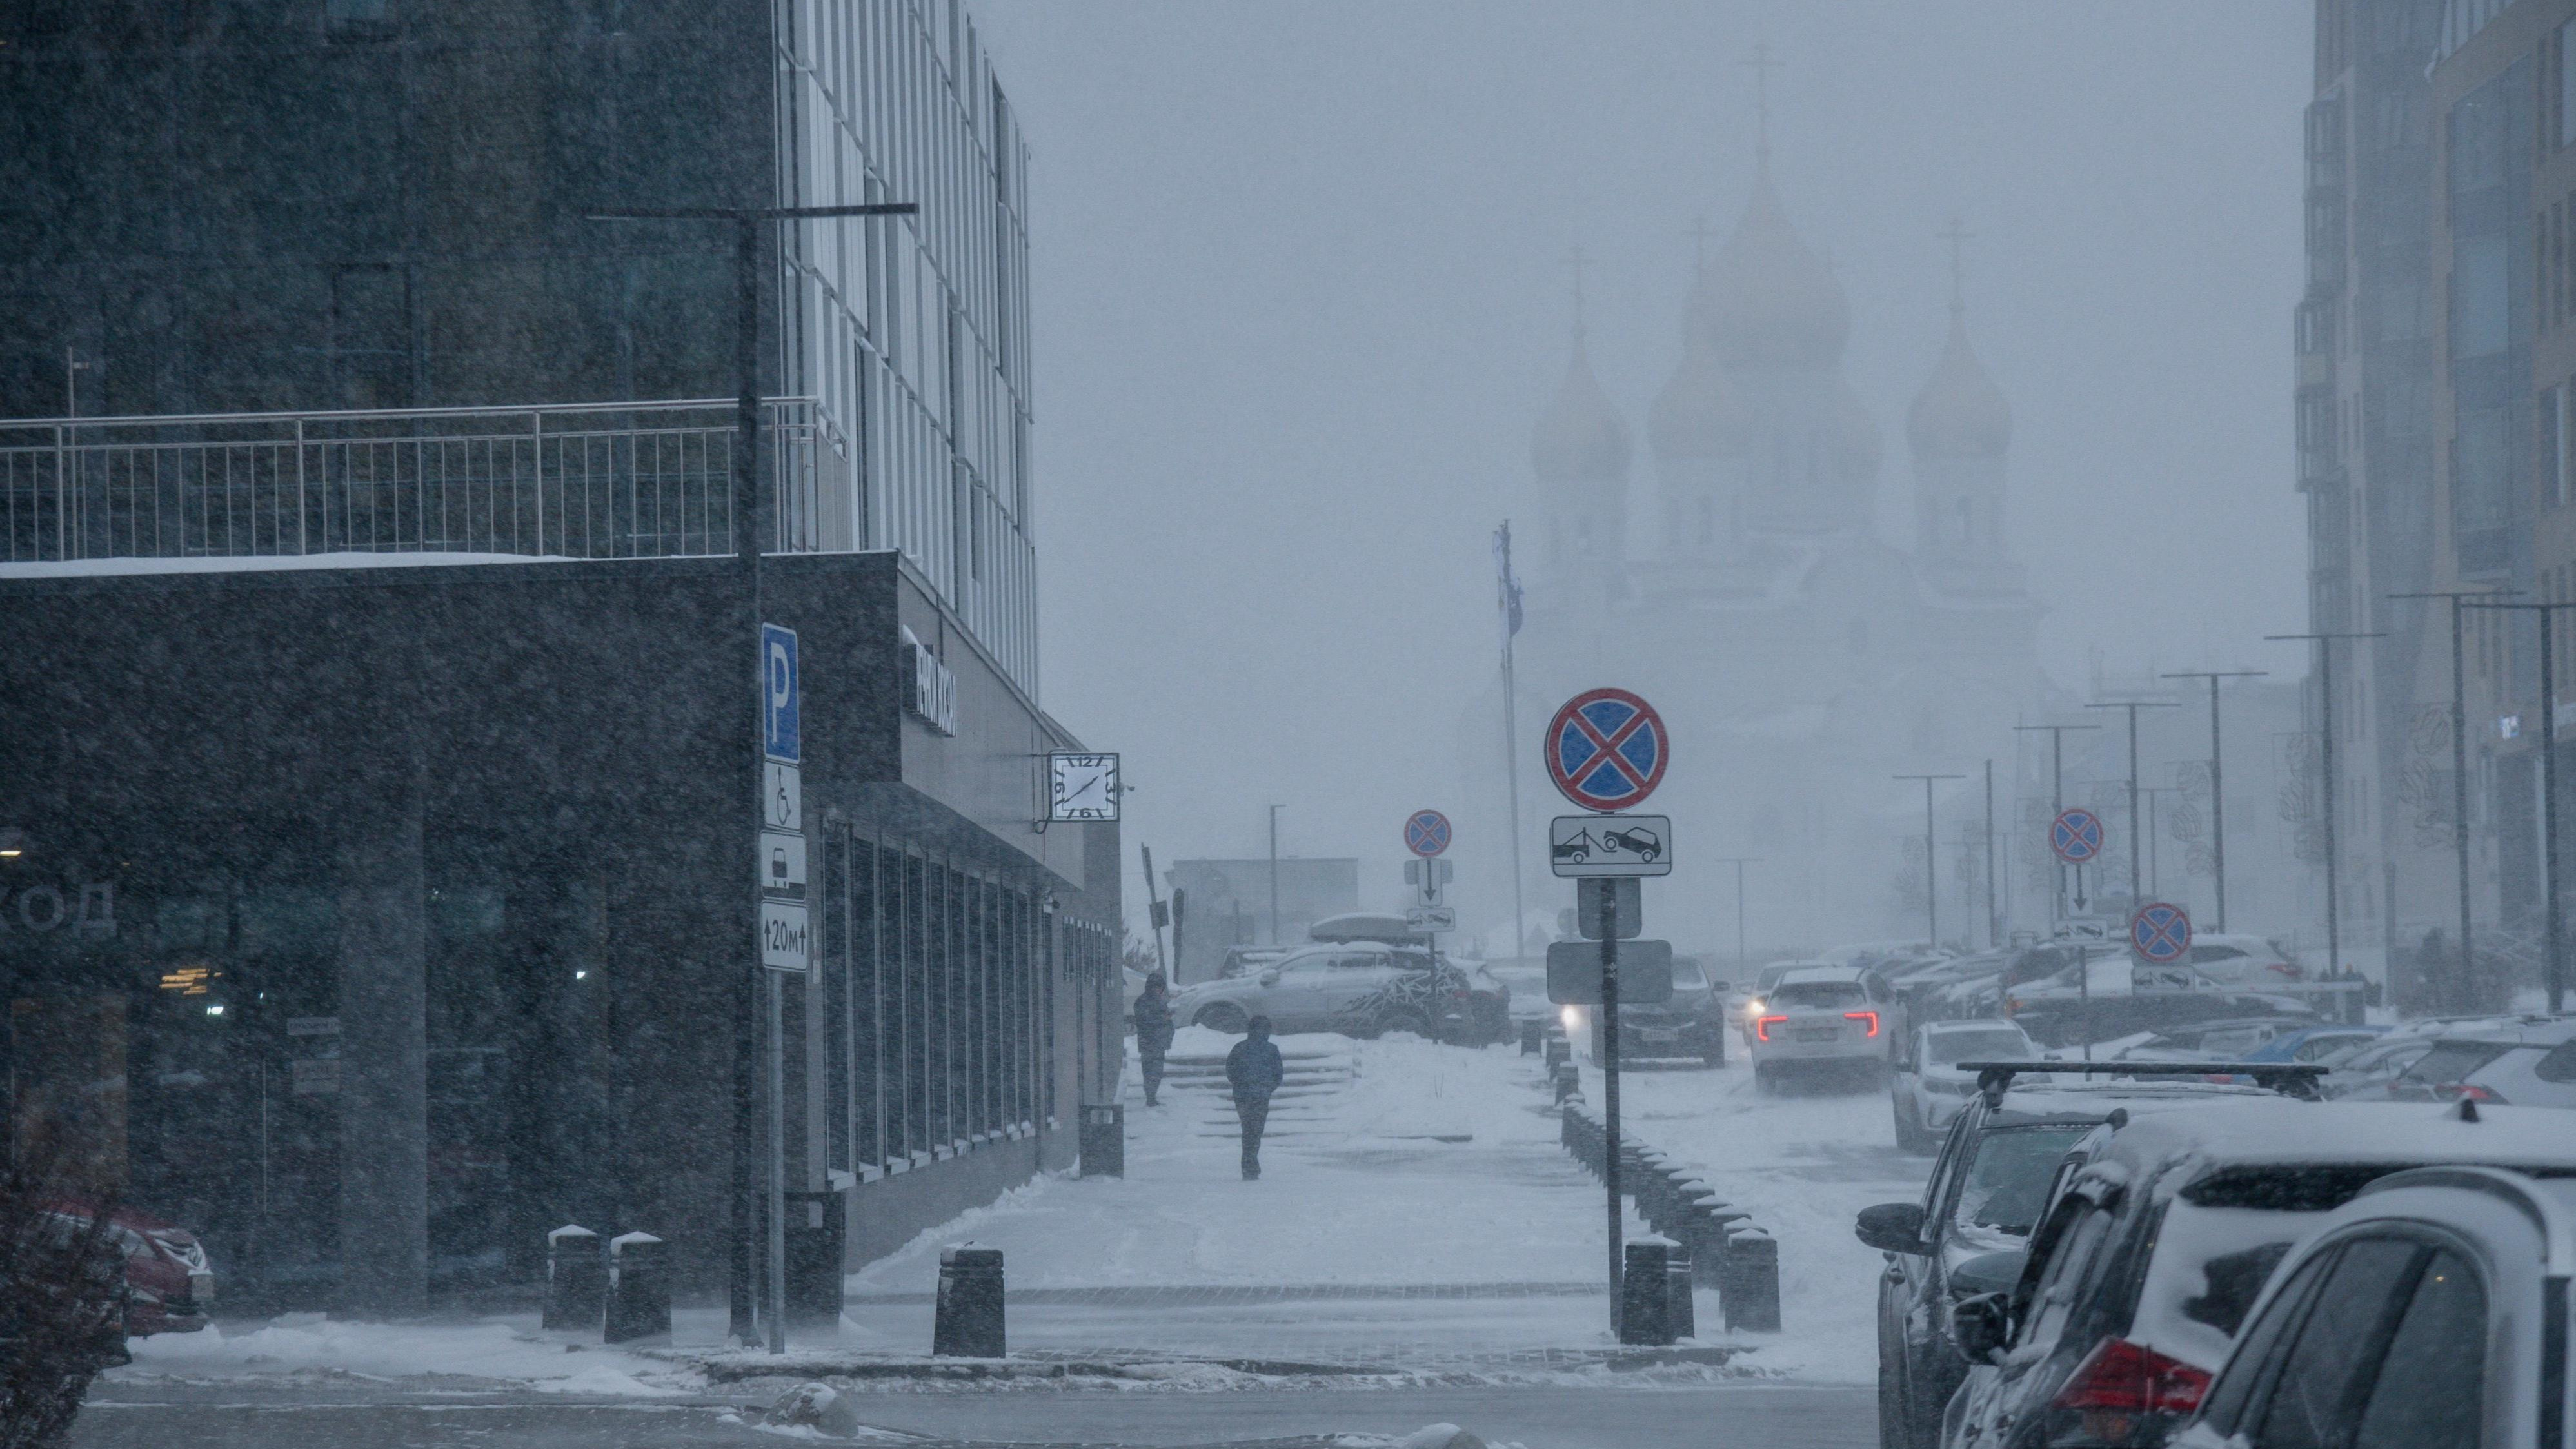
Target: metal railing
x,y
592,481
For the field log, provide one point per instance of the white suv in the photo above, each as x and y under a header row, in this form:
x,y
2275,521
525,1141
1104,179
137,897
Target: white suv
x,y
1826,1018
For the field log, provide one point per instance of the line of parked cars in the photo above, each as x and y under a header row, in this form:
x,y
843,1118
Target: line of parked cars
x,y
2179,1242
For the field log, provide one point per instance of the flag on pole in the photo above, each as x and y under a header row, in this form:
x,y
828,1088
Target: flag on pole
x,y
1508,588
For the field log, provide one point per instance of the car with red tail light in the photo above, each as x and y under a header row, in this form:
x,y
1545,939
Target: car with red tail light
x,y
1825,1019
2146,1263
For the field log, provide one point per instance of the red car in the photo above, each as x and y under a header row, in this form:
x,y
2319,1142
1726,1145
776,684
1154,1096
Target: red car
x,y
168,1285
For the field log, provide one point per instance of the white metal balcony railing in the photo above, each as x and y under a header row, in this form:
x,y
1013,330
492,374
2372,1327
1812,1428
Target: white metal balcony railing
x,y
590,481
604,480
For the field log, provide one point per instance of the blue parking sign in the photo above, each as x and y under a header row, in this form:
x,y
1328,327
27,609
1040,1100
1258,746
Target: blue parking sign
x,y
779,689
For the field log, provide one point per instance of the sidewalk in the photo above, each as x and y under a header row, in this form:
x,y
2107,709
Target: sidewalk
x,y
1418,1211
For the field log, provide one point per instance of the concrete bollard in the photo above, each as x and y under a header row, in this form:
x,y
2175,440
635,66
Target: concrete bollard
x,y
1681,1315
1533,1035
1104,1140
1749,1289
1568,1080
1559,1052
576,1279
639,1288
1645,1297
968,1320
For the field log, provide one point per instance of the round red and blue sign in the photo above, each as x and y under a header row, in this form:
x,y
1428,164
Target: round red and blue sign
x,y
2161,932
1426,833
2076,835
1607,749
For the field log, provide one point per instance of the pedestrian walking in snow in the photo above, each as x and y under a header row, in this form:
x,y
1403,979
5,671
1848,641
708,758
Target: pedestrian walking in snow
x,y
1254,1071
1153,1032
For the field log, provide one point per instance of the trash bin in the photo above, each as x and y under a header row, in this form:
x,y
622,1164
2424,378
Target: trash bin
x,y
816,1222
968,1320
1104,1141
576,1279
1645,1294
639,1288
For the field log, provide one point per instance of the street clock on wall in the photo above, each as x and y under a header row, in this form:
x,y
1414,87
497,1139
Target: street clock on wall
x,y
1082,788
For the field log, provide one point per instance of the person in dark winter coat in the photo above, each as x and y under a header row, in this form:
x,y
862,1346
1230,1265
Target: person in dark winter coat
x,y
1153,1032
1253,1069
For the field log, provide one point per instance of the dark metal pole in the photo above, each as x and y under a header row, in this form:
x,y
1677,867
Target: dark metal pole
x,y
2459,769
1931,879
2217,787
2325,643
1994,920
1739,862
2133,706
1274,875
2056,797
2552,969
1610,1087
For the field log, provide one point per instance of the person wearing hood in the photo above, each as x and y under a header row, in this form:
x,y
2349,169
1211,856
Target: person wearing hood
x,y
1253,1069
1153,1033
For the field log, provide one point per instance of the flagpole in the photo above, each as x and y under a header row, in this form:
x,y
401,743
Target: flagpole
x,y
1510,602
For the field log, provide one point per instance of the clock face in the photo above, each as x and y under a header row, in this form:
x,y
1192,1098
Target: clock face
x,y
1082,787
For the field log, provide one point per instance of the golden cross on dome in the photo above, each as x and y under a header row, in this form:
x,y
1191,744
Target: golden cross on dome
x,y
1761,65
1958,236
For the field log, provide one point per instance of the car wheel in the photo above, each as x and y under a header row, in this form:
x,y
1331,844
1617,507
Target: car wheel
x,y
1226,1017
1404,1021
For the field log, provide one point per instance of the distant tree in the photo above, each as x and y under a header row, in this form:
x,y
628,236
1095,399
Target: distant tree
x,y
62,1298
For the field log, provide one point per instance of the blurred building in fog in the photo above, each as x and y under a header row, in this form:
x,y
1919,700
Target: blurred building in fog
x,y
380,682
1800,659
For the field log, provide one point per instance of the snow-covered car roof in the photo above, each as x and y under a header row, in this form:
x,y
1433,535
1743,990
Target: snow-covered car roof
x,y
2220,1172
2529,1031
1801,975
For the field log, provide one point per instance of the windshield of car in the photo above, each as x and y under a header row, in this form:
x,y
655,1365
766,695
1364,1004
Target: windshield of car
x,y
1687,974
1818,994
1992,1044
2007,1180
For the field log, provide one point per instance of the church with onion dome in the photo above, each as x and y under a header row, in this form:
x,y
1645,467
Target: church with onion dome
x,y
1734,572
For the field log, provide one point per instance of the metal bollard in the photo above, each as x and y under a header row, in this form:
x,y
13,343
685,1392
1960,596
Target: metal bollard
x,y
1749,1289
1104,1140
1645,1315
1568,1080
815,1223
1681,1315
1533,1033
1559,1052
639,1288
968,1320
576,1279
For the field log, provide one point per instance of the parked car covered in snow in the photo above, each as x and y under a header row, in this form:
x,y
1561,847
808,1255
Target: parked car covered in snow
x,y
2145,1267
2532,1064
1358,988
2404,1320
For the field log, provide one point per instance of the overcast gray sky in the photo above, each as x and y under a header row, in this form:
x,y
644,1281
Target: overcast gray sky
x,y
1299,293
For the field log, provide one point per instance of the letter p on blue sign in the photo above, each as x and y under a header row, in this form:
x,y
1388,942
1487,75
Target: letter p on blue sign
x,y
779,689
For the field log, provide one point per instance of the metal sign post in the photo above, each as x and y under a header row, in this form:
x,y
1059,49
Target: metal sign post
x,y
785,936
1607,750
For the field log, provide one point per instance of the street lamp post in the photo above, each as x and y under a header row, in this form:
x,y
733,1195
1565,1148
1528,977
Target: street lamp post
x,y
2552,970
1274,875
1931,881
747,533
1739,862
2459,761
2217,792
2133,706
2056,796
2325,642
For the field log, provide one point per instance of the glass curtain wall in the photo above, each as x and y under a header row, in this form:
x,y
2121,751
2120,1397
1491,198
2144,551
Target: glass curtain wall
x,y
911,332
934,981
